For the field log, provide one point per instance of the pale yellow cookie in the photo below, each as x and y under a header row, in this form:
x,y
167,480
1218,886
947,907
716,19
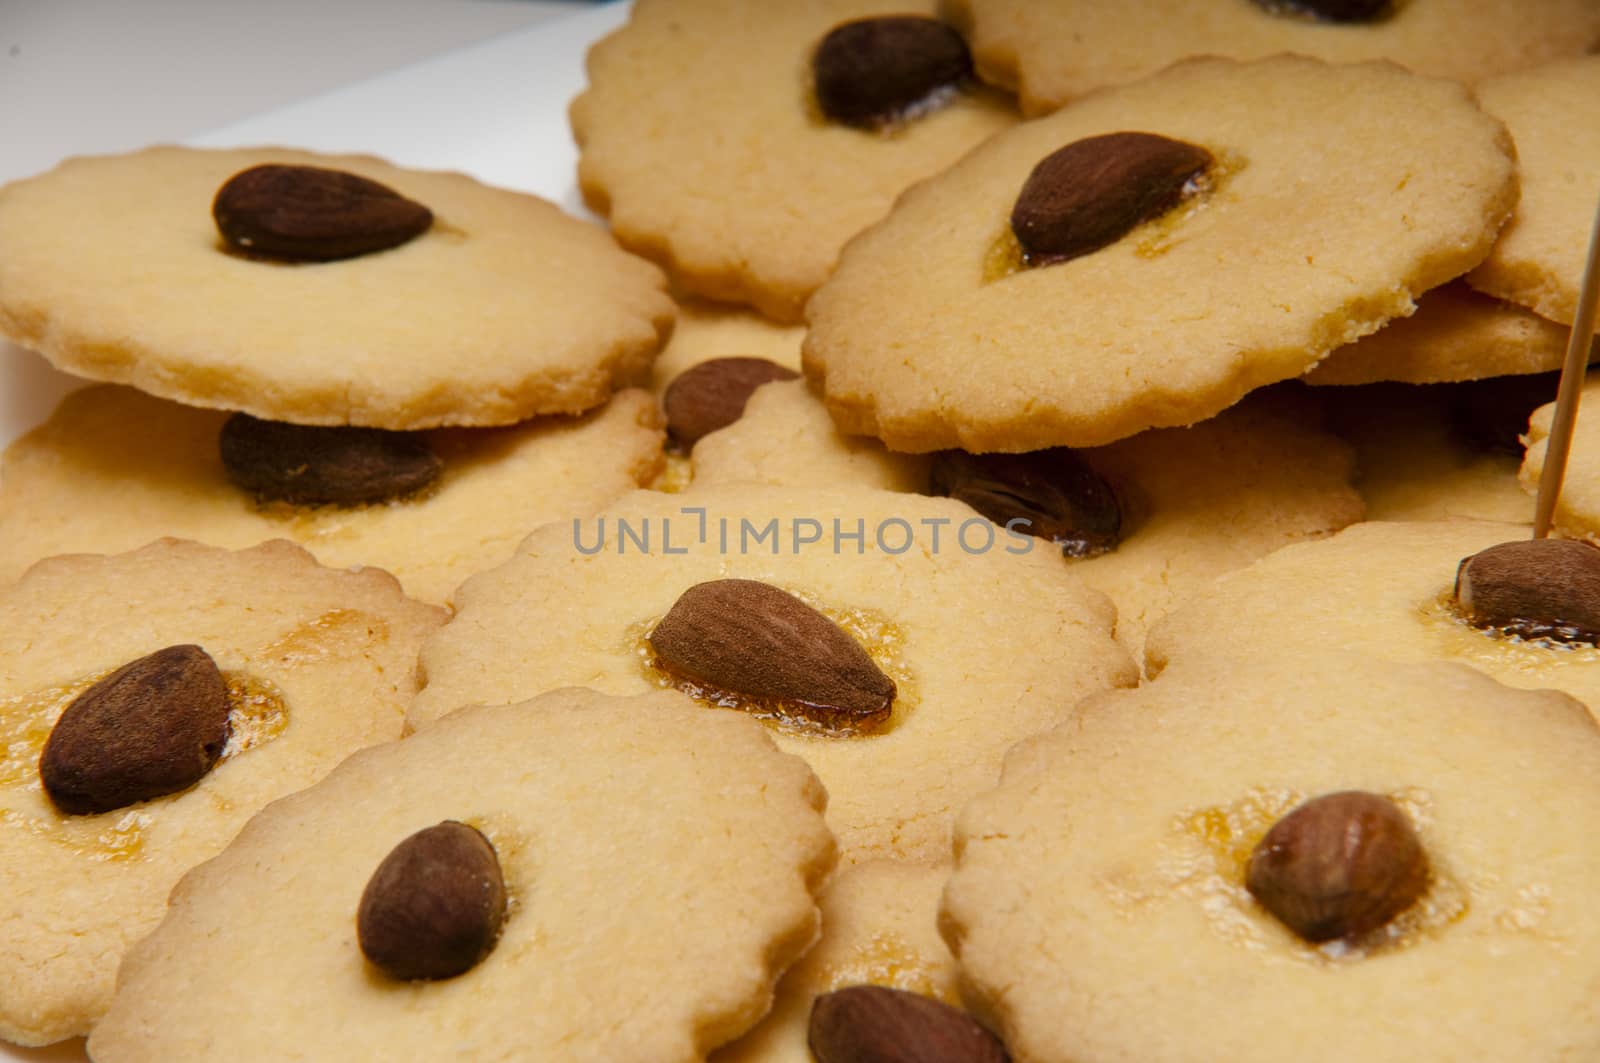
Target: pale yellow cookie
x,y
878,928
1053,51
1099,910
319,662
1203,501
1380,589
76,484
926,338
113,268
1456,334
1416,459
1577,512
1553,112
786,437
660,864
987,635
1195,502
707,330
701,141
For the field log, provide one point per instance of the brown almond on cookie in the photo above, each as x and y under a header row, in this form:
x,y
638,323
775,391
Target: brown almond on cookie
x,y
1536,588
314,214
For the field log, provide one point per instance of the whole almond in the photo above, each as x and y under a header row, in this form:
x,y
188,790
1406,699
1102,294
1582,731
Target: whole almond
x,y
311,214
1092,192
713,395
874,1024
749,639
1339,866
153,727
1331,10
435,906
1052,494
1535,588
871,72
314,465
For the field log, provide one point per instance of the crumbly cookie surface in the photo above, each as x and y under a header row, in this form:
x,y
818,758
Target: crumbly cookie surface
x,y
1092,926
640,828
113,269
1553,113
323,663
1457,333
878,928
1053,51
987,641
1178,319
74,484
701,143
1380,589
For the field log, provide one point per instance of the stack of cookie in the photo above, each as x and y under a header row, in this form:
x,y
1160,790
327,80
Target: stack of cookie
x,y
1059,594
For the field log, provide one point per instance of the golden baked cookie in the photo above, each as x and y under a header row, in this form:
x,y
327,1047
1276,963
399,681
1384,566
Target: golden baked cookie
x,y
1101,905
659,865
1192,503
1179,318
1457,333
701,139
1553,113
708,330
1577,512
113,268
1053,51
317,664
1380,589
1432,452
982,636
75,484
878,928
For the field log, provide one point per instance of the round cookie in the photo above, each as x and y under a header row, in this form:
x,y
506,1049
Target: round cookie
x,y
113,269
1553,113
1577,512
1456,334
320,663
1053,51
878,928
987,639
785,436
1178,319
74,484
1417,460
701,140
707,330
1380,589
659,864
1092,926
1195,502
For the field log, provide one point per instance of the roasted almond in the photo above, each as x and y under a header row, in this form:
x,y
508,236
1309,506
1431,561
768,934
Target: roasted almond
x,y
1092,192
1052,494
874,1024
1339,866
435,906
311,214
1331,10
875,71
313,465
713,395
153,727
749,640
1534,588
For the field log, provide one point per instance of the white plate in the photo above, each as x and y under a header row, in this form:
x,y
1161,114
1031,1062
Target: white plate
x,y
497,110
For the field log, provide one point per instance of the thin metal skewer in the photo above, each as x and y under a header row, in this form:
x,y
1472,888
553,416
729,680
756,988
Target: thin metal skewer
x,y
1559,443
